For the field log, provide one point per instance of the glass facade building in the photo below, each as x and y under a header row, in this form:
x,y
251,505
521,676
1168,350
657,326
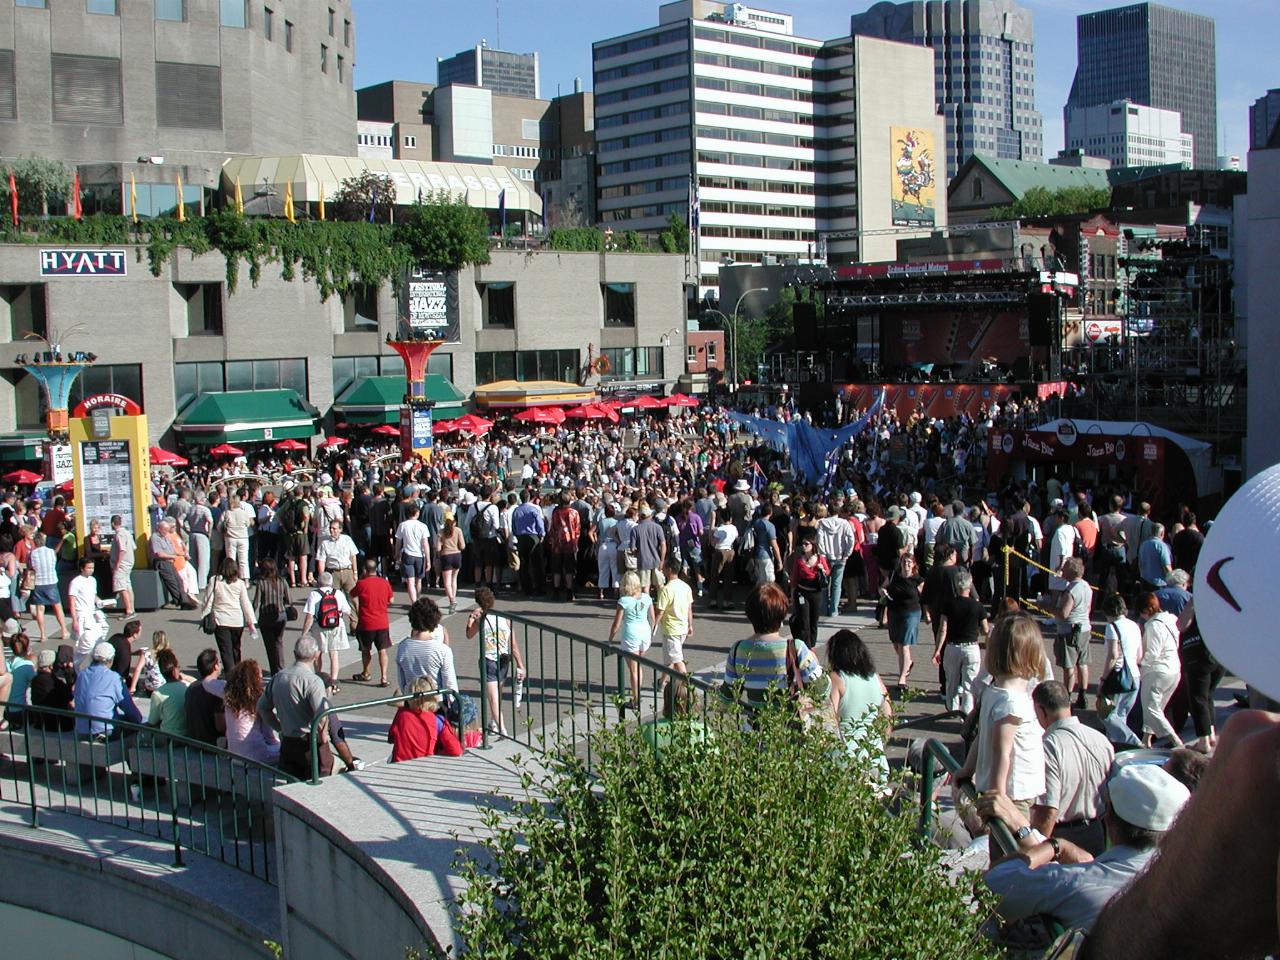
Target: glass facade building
x,y
1151,55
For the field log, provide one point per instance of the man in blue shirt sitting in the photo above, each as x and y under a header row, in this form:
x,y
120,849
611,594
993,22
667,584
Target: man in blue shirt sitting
x,y
100,692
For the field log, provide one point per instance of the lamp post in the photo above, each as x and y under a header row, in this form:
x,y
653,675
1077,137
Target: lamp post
x,y
734,354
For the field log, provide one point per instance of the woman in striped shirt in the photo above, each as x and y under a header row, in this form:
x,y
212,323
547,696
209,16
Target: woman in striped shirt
x,y
766,662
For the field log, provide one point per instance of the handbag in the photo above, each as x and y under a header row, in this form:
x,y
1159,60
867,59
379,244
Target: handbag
x,y
207,623
290,613
1118,680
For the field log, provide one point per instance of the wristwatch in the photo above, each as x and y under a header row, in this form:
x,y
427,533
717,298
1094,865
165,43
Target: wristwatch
x,y
1022,833
1057,848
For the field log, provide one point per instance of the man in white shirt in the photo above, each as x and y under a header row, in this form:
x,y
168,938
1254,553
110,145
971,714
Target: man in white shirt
x,y
86,629
336,555
1061,545
917,511
413,550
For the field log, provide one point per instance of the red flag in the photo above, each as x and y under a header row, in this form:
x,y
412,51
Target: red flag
x,y
77,210
13,197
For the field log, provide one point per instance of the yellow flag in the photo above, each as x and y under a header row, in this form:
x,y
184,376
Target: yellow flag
x,y
239,198
133,198
288,202
182,207
321,206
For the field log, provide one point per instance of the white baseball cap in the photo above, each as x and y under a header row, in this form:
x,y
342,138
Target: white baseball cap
x,y
104,653
1145,796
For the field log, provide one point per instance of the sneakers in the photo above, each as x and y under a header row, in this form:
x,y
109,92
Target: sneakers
x,y
356,764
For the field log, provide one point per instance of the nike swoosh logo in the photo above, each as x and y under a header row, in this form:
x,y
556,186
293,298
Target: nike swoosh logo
x,y
1214,579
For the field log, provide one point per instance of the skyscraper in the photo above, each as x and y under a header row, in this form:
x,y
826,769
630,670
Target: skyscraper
x,y
984,71
511,74
1264,118
1152,55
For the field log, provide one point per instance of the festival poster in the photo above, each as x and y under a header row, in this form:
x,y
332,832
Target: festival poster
x,y
913,178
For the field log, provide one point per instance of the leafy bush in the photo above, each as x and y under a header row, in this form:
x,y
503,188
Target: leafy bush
x,y
356,195
40,181
444,232
1042,202
764,844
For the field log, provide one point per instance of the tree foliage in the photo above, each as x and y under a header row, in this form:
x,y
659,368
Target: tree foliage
x,y
1042,202
674,239
768,843
358,194
443,232
39,181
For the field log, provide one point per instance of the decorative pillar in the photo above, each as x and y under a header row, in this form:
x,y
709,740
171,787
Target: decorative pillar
x,y
416,438
57,373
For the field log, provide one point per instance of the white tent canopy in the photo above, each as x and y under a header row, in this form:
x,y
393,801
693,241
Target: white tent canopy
x,y
1208,477
316,177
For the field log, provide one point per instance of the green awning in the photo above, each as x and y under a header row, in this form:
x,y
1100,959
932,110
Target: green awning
x,y
23,446
374,400
247,416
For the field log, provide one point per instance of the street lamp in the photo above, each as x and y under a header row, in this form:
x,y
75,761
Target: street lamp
x,y
734,322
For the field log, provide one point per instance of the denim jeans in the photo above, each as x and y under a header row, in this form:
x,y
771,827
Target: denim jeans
x,y
834,586
1116,723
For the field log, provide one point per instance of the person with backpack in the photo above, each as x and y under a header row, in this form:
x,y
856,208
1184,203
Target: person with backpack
x,y
487,549
562,545
327,609
294,515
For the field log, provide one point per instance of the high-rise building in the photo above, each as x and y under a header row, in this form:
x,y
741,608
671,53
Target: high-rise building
x,y
984,71
1155,56
1130,134
790,146
511,74
1264,118
156,89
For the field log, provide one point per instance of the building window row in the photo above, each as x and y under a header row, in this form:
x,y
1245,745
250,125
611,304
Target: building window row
x,y
194,379
641,67
756,40
763,186
754,113
754,66
757,90
644,90
679,207
627,363
750,160
643,187
640,43
640,116
524,153
680,157
375,140
738,135
525,365
643,139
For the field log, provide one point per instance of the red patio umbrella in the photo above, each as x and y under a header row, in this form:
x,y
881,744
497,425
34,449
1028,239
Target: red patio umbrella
x,y
289,445
540,415
335,442
586,412
66,488
165,458
443,426
478,426
387,430
681,400
24,478
642,403
226,450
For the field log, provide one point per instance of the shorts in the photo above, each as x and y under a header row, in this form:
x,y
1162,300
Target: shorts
x,y
368,639
672,649
450,561
122,579
492,552
1071,650
650,578
296,544
413,567
46,595
495,671
637,645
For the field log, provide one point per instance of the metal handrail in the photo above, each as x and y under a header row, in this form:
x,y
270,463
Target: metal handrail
x,y
173,758
936,753
324,714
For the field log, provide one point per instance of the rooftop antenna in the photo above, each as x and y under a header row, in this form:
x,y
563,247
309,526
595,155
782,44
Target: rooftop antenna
x,y
497,6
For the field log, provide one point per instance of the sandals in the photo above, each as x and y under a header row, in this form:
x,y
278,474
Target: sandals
x,y
384,683
361,677
335,688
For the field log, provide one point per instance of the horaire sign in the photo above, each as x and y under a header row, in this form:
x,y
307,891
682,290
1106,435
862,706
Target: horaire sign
x,y
82,263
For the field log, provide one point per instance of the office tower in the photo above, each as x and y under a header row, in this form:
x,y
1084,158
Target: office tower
x,y
511,74
984,71
791,145
1155,56
1264,118
1130,134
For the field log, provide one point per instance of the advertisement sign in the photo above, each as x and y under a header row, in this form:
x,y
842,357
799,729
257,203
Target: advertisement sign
x,y
431,304
416,437
1086,332
83,263
106,478
913,182
112,401
872,271
59,459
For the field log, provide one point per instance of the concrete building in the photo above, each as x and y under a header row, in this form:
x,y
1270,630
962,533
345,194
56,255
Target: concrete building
x,y
788,145
155,89
1264,119
548,144
1262,333
1151,55
503,72
1129,134
984,71
525,316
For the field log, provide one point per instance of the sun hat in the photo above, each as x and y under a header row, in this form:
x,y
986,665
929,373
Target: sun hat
x,y
1145,796
741,485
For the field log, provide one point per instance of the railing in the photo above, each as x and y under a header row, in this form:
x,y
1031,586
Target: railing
x,y
935,754
574,686
318,721
1009,553
190,794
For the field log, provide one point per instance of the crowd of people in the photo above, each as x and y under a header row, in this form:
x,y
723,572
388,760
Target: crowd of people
x,y
664,517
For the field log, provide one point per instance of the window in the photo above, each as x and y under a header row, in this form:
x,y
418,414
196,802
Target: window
x,y
189,95
691,354
619,304
41,4
499,304
711,352
86,89
626,363
191,380
360,309
122,378
23,311
267,375
109,7
324,59
8,87
977,188
171,10
268,22
288,36
203,308
346,33
342,72
331,21
235,13
527,365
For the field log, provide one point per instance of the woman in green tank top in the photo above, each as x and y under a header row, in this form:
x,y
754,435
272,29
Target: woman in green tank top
x,y
859,699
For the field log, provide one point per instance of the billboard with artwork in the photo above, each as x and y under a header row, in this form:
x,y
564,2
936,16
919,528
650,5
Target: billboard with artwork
x,y
431,304
913,177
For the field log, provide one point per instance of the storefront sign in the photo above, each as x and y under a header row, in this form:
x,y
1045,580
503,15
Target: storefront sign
x,y
82,263
431,304
98,401
59,458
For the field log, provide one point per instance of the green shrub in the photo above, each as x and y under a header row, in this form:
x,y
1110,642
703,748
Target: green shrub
x,y
764,844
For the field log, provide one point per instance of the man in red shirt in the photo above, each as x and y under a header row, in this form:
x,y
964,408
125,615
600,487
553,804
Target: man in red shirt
x,y
52,517
371,597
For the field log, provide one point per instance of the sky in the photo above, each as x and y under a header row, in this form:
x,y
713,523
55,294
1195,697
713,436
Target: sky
x,y
401,39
